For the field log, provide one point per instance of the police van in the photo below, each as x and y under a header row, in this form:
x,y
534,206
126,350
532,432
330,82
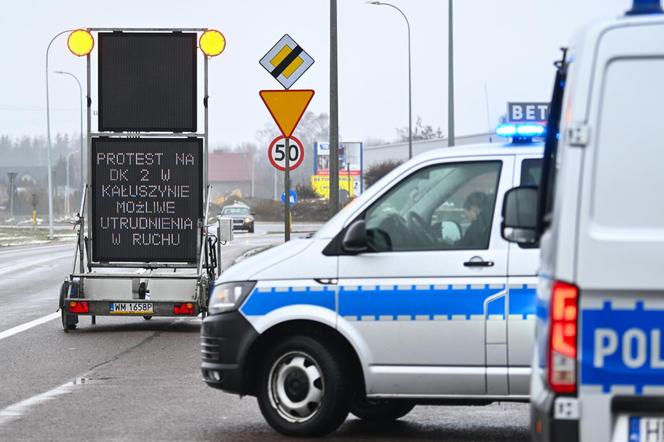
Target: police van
x,y
599,214
408,296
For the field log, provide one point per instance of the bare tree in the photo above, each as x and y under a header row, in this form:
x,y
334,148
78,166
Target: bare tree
x,y
420,132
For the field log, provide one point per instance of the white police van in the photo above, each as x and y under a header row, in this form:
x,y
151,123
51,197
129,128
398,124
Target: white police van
x,y
407,296
599,359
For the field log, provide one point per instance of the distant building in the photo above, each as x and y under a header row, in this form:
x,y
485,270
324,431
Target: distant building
x,y
230,173
399,151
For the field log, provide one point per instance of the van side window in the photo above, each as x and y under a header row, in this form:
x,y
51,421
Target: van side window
x,y
443,207
531,172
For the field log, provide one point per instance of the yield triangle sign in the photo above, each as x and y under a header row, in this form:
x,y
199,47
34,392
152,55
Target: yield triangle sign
x,y
287,107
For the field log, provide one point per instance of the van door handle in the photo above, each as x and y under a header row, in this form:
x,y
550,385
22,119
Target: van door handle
x,y
478,263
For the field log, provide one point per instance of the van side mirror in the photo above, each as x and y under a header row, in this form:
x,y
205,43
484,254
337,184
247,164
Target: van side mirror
x,y
519,223
355,239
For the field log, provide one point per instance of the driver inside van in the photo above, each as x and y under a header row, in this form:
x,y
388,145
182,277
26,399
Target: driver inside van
x,y
477,212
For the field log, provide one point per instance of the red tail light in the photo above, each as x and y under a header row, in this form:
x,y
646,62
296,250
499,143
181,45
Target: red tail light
x,y
184,309
79,307
564,317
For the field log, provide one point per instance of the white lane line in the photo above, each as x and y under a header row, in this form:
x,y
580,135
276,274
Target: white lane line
x,y
28,325
19,409
32,263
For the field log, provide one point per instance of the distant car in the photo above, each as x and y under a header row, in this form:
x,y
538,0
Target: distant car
x,y
241,215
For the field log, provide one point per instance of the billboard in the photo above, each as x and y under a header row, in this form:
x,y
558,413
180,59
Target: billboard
x,y
347,183
350,158
146,199
527,112
147,81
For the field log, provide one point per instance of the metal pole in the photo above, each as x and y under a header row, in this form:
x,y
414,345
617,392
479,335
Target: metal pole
x,y
80,100
12,180
334,112
450,86
67,185
48,139
253,174
287,225
88,151
410,97
410,88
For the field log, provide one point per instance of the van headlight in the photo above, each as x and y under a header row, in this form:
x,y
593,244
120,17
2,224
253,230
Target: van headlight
x,y
228,296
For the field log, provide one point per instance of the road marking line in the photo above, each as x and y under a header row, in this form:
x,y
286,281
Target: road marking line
x,y
32,263
19,409
28,325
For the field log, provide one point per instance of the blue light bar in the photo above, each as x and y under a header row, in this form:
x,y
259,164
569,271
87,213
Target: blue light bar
x,y
530,130
523,130
506,130
643,7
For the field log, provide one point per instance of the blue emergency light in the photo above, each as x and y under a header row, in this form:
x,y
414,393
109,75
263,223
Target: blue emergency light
x,y
521,130
643,7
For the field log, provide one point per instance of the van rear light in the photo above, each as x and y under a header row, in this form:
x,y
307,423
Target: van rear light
x,y
563,338
79,307
184,309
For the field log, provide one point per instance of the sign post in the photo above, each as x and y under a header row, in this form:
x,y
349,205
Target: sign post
x,y
287,220
286,62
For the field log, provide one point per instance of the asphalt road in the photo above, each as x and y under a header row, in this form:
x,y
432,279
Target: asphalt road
x,y
130,379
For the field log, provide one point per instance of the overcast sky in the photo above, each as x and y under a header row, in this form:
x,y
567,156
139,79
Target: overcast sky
x,y
509,46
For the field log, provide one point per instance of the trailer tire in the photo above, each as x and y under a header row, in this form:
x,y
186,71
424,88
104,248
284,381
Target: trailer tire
x,y
69,321
304,388
147,317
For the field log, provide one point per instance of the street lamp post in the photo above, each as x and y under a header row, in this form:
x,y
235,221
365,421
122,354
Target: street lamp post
x,y
67,207
410,101
80,101
48,138
450,79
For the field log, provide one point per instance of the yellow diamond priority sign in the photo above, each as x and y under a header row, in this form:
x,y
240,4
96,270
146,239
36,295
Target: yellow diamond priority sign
x,y
286,61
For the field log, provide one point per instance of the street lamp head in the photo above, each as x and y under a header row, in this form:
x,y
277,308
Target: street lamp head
x,y
374,3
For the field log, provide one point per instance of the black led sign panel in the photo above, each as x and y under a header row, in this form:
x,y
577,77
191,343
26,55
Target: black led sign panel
x,y
147,82
146,199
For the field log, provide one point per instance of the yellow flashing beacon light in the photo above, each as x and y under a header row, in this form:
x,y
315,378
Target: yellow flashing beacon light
x,y
212,42
80,42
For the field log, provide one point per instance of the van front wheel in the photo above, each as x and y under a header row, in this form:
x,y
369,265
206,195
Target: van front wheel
x,y
380,409
302,389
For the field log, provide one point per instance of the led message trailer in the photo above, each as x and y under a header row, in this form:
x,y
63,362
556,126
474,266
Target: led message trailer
x,y
146,199
147,82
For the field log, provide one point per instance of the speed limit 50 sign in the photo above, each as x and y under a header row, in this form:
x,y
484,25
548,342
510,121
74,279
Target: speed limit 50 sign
x,y
277,153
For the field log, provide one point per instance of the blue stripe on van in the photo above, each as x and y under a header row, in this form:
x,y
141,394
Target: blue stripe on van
x,y
622,347
414,302
523,301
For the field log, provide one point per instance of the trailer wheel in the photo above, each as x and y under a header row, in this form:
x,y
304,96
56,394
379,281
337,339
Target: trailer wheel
x,y
69,321
147,317
303,388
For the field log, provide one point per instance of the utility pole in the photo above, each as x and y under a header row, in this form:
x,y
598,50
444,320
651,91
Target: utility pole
x,y
12,179
334,112
450,85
